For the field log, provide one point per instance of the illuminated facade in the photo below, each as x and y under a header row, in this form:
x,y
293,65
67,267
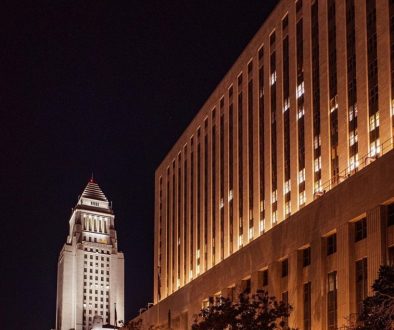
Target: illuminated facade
x,y
284,180
90,281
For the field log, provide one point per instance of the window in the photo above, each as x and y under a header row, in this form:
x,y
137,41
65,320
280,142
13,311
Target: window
x,y
265,277
285,267
273,78
247,284
361,283
391,256
332,301
306,257
285,22
390,215
360,230
301,176
274,217
331,244
302,198
300,90
298,5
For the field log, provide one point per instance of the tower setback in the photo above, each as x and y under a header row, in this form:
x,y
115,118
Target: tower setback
x,y
90,268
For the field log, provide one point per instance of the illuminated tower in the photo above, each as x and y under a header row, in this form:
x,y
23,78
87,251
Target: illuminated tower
x,y
90,268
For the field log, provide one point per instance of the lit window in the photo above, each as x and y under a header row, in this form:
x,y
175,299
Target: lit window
x,y
287,208
273,78
374,121
286,105
274,217
198,254
392,107
230,195
353,137
274,196
302,198
375,148
287,186
262,225
300,90
250,233
317,185
301,112
317,141
353,162
318,164
240,241
301,176
353,112
221,204
333,104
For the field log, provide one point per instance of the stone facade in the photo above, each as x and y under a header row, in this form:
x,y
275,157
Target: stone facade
x,y
90,267
290,155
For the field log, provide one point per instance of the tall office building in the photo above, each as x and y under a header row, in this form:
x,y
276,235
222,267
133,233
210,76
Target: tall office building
x,y
90,268
284,180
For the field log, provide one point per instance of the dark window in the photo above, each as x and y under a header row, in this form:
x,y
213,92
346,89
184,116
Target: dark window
x,y
361,283
307,306
265,277
360,230
250,140
285,22
240,154
331,244
390,215
306,257
247,285
272,38
285,267
332,301
298,5
391,256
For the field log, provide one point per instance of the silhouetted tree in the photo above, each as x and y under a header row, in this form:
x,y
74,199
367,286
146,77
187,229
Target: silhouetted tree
x,y
258,311
378,310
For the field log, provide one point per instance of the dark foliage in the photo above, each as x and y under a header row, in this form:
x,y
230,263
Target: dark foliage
x,y
258,311
378,310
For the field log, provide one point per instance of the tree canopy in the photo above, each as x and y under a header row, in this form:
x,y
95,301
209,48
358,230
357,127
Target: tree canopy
x,y
252,312
378,310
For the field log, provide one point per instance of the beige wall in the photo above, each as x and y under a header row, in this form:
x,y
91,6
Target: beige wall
x,y
177,266
333,212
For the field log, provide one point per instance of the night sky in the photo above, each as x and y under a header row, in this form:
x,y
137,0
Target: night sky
x,y
102,86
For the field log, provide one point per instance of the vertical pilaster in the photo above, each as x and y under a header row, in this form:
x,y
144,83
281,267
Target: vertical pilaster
x,y
376,243
384,83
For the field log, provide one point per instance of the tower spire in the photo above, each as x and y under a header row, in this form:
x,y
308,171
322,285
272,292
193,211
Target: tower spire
x,y
92,178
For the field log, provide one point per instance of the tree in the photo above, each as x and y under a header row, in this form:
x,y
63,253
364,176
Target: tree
x,y
133,325
259,311
378,310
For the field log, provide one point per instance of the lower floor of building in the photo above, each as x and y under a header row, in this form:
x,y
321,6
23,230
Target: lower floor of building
x,y
323,260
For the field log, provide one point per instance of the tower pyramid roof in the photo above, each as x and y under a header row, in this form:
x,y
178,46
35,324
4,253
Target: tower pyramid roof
x,y
93,191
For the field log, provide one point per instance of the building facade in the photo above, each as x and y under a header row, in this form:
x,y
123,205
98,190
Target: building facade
x,y
284,180
90,280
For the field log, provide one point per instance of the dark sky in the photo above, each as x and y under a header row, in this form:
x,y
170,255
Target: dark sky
x,y
103,86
